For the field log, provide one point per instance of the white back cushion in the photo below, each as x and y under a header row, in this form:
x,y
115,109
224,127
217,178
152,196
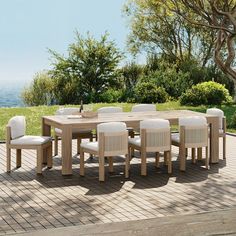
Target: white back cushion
x,y
67,111
18,125
109,109
192,121
111,127
143,107
217,112
154,124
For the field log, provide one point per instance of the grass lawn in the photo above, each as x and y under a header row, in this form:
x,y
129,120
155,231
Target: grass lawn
x,y
34,114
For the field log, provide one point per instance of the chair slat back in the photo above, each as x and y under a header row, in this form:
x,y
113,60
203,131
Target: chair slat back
x,y
156,140
109,110
113,138
143,107
195,136
67,111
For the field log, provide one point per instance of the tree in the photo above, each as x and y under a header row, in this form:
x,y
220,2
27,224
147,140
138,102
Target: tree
x,y
218,16
40,91
155,28
89,69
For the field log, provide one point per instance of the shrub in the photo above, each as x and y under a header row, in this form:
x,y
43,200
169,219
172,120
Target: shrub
x,y
206,93
148,92
174,83
40,91
111,95
233,121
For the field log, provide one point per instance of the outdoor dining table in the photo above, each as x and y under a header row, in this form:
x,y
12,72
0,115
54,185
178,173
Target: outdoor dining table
x,y
132,119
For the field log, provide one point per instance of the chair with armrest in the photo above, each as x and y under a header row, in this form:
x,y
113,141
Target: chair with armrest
x,y
193,133
222,125
154,137
16,139
112,141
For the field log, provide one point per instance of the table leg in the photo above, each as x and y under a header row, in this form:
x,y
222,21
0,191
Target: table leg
x,y
66,150
214,140
46,131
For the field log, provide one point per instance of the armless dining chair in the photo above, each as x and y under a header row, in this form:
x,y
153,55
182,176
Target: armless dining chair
x,y
16,139
76,133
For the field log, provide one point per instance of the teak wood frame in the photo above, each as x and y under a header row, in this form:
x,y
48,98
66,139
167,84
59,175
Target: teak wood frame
x,y
42,150
102,153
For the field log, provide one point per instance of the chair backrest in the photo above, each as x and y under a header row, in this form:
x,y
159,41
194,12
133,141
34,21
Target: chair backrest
x,y
155,135
143,107
109,109
193,131
217,112
67,111
112,138
17,126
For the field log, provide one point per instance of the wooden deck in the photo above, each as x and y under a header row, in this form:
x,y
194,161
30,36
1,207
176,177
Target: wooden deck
x,y
29,202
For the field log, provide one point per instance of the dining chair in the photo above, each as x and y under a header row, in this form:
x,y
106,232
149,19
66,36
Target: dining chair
x,y
222,125
143,107
193,133
16,139
112,141
109,110
76,133
155,137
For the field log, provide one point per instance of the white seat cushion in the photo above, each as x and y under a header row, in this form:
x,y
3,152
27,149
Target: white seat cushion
x,y
74,131
175,137
90,145
30,140
136,141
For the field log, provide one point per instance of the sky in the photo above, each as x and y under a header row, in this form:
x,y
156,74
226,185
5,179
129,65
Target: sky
x,y
28,28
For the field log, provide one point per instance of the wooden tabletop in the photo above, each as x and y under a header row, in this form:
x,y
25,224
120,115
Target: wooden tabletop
x,y
128,117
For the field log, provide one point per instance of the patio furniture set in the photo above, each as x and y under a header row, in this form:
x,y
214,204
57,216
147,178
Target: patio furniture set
x,y
115,137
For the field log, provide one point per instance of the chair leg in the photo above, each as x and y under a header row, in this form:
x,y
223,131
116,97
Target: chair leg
x,y
199,154
18,158
165,158
39,159
127,165
224,147
101,168
186,152
78,145
207,158
143,163
56,146
81,170
193,155
8,159
157,159
110,161
91,140
169,162
182,156
49,156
